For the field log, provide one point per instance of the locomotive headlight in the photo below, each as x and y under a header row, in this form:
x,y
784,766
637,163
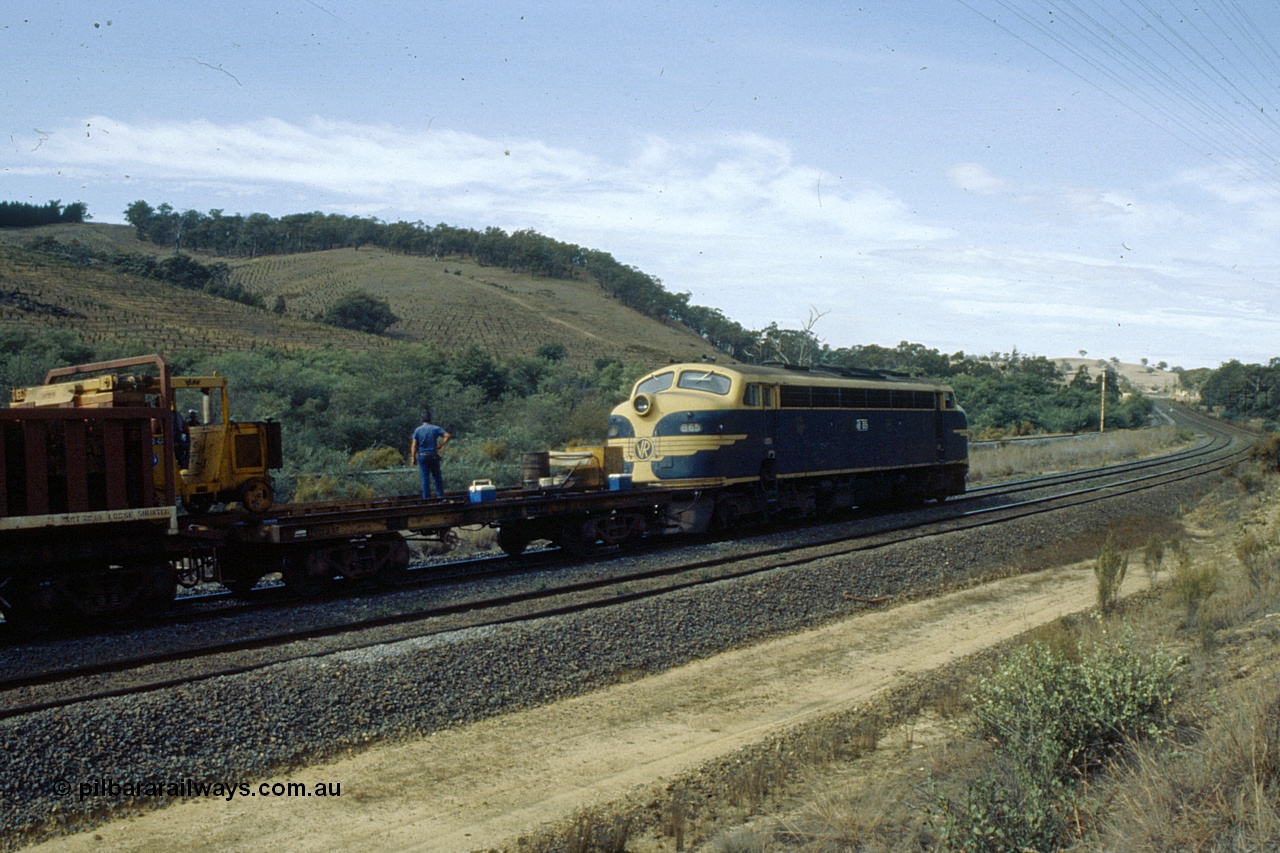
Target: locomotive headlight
x,y
641,404
691,426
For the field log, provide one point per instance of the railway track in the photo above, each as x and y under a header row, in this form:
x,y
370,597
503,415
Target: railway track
x,y
62,687
491,567
221,602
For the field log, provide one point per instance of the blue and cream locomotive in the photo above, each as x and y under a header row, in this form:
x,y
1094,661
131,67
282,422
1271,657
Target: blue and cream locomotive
x,y
746,442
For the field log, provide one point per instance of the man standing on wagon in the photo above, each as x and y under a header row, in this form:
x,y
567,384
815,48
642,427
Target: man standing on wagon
x,y
428,441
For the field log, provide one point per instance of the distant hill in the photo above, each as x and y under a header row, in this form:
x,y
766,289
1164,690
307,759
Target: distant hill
x,y
1146,379
452,303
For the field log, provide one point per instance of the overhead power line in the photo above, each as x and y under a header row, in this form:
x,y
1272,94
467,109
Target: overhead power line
x,y
1203,73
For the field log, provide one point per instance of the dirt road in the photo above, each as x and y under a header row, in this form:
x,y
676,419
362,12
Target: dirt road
x,y
476,787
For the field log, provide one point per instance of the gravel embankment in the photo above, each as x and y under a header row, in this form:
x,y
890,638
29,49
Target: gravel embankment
x,y
240,728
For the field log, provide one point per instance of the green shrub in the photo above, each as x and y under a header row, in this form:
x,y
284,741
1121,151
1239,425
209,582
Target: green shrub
x,y
309,489
1085,708
1266,452
1109,570
1010,807
361,312
1052,721
376,458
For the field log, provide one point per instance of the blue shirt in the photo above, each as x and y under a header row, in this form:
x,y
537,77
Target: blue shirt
x,y
426,436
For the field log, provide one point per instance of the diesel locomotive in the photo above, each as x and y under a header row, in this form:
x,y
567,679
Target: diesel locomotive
x,y
748,442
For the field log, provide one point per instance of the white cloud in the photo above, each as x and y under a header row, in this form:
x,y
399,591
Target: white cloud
x,y
735,184
739,221
976,178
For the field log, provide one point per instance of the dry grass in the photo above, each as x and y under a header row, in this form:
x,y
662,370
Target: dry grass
x,y
438,301
993,463
452,303
1218,792
132,315
1146,378
1212,783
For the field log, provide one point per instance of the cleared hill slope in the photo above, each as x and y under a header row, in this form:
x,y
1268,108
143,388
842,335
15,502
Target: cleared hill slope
x,y
452,303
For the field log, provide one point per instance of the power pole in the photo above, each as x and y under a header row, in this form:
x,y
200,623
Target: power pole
x,y
1102,423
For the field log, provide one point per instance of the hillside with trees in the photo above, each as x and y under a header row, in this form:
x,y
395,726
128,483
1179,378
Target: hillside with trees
x,y
1240,392
115,289
525,251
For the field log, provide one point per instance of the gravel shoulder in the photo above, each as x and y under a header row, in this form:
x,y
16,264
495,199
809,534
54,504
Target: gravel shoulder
x,y
482,785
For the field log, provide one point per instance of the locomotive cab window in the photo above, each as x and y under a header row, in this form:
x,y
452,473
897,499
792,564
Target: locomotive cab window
x,y
704,380
758,396
948,400
654,384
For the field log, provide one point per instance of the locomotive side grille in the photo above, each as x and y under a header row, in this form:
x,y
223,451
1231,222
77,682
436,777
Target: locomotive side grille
x,y
829,397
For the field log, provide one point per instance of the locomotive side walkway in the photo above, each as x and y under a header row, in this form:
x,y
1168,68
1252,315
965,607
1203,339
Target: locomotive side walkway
x,y
482,785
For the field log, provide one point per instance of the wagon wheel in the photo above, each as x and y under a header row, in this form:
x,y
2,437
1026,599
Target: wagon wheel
x,y
513,539
310,573
257,495
391,559
241,586
22,616
571,538
158,585
240,571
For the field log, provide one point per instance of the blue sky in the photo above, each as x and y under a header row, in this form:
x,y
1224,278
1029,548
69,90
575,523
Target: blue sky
x,y
976,175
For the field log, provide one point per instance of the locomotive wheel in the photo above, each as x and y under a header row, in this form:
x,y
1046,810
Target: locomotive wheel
x,y
731,510
257,495
619,529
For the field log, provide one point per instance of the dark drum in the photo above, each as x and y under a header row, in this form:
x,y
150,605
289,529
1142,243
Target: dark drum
x,y
533,467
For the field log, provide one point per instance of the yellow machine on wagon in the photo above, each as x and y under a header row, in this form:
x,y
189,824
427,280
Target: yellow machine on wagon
x,y
228,460
216,460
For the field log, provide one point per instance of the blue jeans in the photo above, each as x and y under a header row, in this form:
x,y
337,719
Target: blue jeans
x,y
429,467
